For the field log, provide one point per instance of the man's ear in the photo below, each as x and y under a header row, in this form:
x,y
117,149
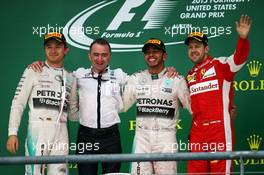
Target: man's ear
x,y
206,49
66,50
165,56
89,56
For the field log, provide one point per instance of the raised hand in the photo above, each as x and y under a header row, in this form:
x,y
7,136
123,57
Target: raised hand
x,y
243,26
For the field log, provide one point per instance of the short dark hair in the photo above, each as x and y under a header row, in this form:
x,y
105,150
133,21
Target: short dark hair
x,y
100,41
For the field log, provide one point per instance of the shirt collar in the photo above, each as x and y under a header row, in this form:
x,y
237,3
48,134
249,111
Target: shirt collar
x,y
157,76
206,61
53,68
105,72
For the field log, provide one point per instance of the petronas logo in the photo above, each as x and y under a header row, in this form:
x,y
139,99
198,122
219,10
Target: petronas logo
x,y
254,68
254,142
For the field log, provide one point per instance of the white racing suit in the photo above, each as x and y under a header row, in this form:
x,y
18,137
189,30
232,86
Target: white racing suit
x,y
158,99
44,92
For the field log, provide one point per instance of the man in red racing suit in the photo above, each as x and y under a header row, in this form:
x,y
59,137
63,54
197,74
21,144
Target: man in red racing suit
x,y
210,85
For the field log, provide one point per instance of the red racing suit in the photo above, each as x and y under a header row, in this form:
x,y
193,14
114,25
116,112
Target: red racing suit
x,y
210,85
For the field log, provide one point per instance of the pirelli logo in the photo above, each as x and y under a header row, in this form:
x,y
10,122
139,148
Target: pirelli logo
x,y
204,87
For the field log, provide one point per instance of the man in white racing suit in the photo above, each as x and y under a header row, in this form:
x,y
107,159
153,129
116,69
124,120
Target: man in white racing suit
x,y
47,94
158,99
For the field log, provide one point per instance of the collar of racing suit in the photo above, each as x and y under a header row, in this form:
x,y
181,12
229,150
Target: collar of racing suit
x,y
157,76
206,61
54,68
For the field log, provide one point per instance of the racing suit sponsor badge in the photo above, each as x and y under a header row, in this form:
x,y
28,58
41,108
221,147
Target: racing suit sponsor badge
x,y
191,78
167,86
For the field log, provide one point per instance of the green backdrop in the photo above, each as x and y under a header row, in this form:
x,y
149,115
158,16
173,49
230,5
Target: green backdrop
x,y
126,25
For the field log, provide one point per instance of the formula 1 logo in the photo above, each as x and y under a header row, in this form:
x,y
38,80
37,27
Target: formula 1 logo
x,y
126,29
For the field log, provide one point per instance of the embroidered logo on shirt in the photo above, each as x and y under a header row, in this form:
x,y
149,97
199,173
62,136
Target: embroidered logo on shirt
x,y
209,73
202,72
191,78
167,86
142,81
204,87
